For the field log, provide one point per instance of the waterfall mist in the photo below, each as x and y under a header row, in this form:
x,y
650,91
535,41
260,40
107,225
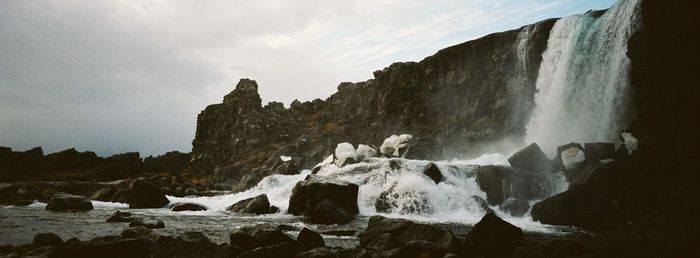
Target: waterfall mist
x,y
583,84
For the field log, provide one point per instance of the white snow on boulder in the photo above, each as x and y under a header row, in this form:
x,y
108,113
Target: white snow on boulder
x,y
630,142
571,157
392,144
343,152
285,158
365,152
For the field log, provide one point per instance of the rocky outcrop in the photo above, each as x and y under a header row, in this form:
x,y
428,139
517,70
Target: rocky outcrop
x,y
187,206
71,164
68,202
485,79
387,233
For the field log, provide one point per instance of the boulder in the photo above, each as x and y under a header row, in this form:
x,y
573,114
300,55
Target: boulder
x,y
365,152
581,206
531,159
396,145
282,250
583,176
138,247
188,206
417,249
191,191
144,194
515,207
433,172
599,151
386,233
481,204
330,212
256,205
309,239
345,154
46,239
68,202
493,237
104,195
197,238
146,223
307,194
570,156
501,182
119,216
251,237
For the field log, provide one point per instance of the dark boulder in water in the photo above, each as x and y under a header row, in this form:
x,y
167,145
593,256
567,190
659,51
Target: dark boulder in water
x,y
493,237
330,212
256,205
387,233
188,206
581,206
145,194
146,223
248,238
282,250
531,159
434,173
309,239
68,202
501,183
308,194
481,204
46,239
119,216
515,207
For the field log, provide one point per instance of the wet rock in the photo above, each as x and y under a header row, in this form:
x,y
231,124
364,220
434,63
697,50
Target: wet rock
x,y
46,239
330,212
532,159
583,176
501,183
282,250
493,237
434,173
104,195
119,216
599,151
250,237
144,194
581,206
320,252
256,205
481,203
197,238
386,234
106,247
310,239
166,190
146,223
417,249
191,192
308,194
188,206
68,202
515,207
121,196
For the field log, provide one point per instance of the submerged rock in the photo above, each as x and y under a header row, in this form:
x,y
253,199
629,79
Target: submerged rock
x,y
146,223
145,194
256,205
188,206
68,202
119,216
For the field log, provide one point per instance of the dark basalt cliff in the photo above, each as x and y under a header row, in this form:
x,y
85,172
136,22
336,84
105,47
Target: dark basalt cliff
x,y
453,102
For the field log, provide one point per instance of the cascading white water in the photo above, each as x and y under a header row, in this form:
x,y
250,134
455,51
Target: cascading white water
x,y
583,83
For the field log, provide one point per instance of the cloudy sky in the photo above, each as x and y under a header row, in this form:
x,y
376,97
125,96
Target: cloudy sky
x,y
116,76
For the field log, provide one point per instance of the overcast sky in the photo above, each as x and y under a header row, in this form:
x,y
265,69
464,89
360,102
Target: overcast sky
x,y
117,76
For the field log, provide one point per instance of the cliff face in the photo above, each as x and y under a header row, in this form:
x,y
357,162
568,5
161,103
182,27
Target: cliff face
x,y
453,102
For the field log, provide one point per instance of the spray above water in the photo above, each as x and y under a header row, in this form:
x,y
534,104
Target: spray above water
x,y
583,83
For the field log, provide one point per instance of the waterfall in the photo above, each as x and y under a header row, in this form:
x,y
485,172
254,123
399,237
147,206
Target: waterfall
x,y
583,83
